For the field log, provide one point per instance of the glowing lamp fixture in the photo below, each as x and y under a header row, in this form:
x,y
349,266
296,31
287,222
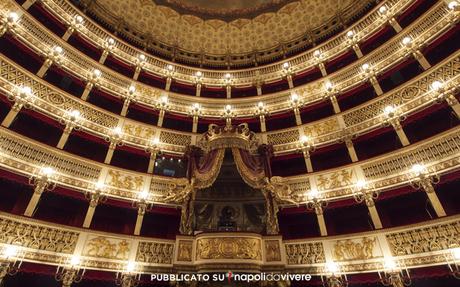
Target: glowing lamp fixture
x,y
25,91
74,115
170,67
57,51
456,253
286,65
47,171
99,185
294,98
453,5
332,267
75,260
389,111
142,58
97,73
12,17
228,108
130,266
365,67
383,10
437,86
418,169
328,85
407,41
131,89
390,264
78,19
304,139
260,105
199,74
117,131
313,193
361,184
110,41
155,141
164,100
317,54
10,251
196,107
143,195
350,34
228,76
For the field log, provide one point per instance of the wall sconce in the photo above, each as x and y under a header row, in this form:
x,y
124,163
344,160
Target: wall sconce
x,y
453,262
10,261
129,277
333,277
394,274
70,272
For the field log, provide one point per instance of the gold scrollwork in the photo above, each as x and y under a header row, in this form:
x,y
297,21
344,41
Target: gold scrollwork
x,y
229,248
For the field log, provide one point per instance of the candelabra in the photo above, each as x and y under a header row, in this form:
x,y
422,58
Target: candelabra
x,y
306,147
227,114
45,179
154,149
129,277
129,97
392,116
296,102
453,262
195,113
139,63
162,105
8,22
71,120
333,277
364,192
70,271
370,74
22,97
394,274
10,261
169,72
96,194
353,41
115,137
315,202
443,92
421,178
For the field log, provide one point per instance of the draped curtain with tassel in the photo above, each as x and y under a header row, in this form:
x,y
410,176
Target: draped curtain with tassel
x,y
250,167
206,169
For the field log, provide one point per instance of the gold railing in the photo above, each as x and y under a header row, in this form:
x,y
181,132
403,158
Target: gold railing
x,y
439,154
427,28
411,97
334,47
419,245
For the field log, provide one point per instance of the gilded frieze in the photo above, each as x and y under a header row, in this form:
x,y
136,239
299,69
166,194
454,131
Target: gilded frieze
x,y
336,179
184,252
124,180
228,248
272,250
305,253
155,252
356,249
107,247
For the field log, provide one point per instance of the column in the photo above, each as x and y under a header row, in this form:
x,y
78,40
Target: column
x,y
168,83
160,118
400,132
432,196
124,110
94,201
320,218
26,5
259,89
38,190
8,120
140,217
198,89
46,65
65,136
351,149
306,157
454,104
335,104
110,151
298,119
289,80
195,124
137,72
153,157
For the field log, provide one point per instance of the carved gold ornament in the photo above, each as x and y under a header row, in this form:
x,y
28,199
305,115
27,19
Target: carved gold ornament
x,y
228,248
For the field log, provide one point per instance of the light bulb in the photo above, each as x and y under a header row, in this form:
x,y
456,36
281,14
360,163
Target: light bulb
x,y
117,131
436,86
47,171
74,115
111,41
328,86
12,17
10,251
99,185
389,111
130,266
365,67
314,193
418,169
317,54
155,141
75,260
228,108
228,76
199,74
260,105
390,264
164,100
383,10
132,89
456,253
332,267
453,5
304,139
406,41
361,184
26,91
285,65
294,98
78,19
170,67
350,34
57,50
142,57
97,73
143,195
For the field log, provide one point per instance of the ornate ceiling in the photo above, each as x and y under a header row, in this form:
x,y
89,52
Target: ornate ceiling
x,y
221,27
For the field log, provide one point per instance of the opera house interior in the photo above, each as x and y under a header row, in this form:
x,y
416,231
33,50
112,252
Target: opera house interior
x,y
229,143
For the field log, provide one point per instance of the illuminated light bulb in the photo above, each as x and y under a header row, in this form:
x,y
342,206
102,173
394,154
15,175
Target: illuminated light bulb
x,y
164,100
317,54
74,115
10,251
142,57
389,111
199,74
228,108
365,67
437,86
453,5
155,141
418,169
97,73
117,131
47,171
78,19
285,65
260,105
132,89
75,260
294,98
361,184
228,76
383,10
170,67
196,107
456,253
25,90
304,139
332,267
57,50
350,34
313,193
406,41
110,41
328,85
12,17
99,185
130,266
143,195
179,160
390,264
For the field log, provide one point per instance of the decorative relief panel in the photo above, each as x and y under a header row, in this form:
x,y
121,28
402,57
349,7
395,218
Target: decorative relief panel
x,y
427,239
37,237
322,128
356,249
305,253
175,138
185,249
283,137
228,248
272,250
155,252
107,247
337,179
136,130
124,180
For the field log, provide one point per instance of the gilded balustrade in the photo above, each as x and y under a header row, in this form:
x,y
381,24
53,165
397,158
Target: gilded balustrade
x,y
97,35
419,245
424,30
27,157
414,95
